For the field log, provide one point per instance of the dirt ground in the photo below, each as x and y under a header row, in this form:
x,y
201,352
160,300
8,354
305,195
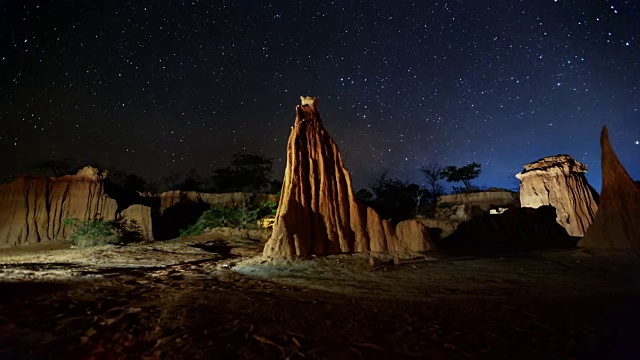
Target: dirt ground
x,y
213,297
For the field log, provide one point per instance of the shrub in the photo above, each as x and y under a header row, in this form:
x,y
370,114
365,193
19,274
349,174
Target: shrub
x,y
93,232
270,207
96,232
220,215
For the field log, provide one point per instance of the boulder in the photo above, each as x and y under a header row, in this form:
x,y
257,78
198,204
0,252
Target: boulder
x,y
318,212
617,222
559,181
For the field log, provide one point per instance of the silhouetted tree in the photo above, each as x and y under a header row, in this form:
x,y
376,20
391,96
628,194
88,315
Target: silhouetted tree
x,y
395,199
463,174
171,180
249,172
57,168
275,186
364,195
433,174
190,182
134,183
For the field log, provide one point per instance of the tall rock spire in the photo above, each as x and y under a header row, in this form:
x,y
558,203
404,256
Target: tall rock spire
x,y
617,222
318,212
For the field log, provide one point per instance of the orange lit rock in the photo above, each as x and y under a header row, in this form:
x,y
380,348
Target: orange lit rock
x,y
318,212
559,181
617,222
33,208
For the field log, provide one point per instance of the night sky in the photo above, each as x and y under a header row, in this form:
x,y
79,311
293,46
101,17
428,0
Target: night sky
x,y
157,87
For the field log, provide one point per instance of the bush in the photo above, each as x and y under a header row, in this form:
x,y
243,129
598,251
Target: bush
x,y
93,232
96,232
220,215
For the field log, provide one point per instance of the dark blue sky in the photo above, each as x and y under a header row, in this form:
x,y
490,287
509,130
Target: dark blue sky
x,y
168,86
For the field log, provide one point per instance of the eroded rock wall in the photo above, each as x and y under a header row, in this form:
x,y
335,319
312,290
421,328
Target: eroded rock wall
x,y
559,181
318,212
33,208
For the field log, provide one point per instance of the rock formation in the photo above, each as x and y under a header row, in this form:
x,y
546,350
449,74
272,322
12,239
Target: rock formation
x,y
176,210
318,212
617,222
465,206
169,199
559,181
452,210
519,229
33,208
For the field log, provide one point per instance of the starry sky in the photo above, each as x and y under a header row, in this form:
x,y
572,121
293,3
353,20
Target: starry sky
x,y
165,86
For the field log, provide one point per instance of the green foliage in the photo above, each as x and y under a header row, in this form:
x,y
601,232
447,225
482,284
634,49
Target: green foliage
x,y
225,216
249,172
271,207
95,232
463,174
92,232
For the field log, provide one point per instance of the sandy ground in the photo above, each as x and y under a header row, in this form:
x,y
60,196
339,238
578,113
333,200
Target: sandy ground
x,y
214,297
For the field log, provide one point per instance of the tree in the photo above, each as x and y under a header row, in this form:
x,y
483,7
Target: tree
x,y
190,182
171,180
57,168
463,174
249,172
134,183
395,199
433,174
364,195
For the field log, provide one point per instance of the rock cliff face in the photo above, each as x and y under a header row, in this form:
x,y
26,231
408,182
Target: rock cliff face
x,y
464,207
617,222
318,212
559,181
175,210
169,199
32,208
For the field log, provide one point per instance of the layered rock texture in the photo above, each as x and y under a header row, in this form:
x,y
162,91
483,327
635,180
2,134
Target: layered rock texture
x,y
33,208
559,181
318,212
617,222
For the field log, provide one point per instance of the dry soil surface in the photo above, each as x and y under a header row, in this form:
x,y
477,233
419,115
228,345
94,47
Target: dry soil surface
x,y
213,297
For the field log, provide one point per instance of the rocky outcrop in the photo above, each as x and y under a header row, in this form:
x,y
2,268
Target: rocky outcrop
x,y
169,199
176,210
559,181
33,208
520,229
318,212
617,222
465,206
452,210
